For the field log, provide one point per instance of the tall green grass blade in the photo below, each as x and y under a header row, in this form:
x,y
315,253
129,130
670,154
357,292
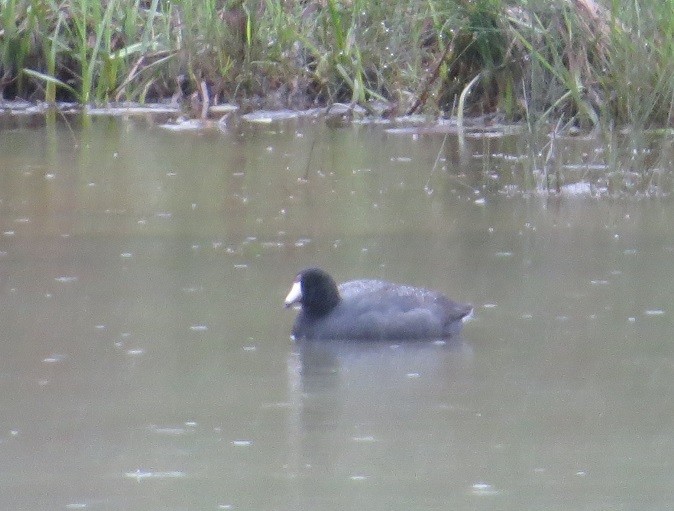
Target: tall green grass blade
x,y
462,102
102,30
50,79
336,25
53,43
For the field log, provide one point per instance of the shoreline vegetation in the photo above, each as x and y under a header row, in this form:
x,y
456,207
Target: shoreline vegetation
x,y
584,63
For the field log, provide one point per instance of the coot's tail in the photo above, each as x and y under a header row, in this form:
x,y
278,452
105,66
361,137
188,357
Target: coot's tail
x,y
459,313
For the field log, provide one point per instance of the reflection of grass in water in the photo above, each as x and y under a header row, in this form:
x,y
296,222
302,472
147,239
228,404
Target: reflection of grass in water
x,y
557,66
527,60
598,164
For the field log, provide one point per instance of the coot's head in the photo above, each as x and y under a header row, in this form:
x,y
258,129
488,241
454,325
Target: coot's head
x,y
315,291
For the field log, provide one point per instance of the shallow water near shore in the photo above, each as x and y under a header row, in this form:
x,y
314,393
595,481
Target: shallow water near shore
x,y
145,358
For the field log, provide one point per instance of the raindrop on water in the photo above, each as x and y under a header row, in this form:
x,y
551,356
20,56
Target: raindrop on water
x,y
65,279
483,489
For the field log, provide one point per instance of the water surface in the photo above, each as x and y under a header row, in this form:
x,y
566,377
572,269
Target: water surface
x,y
145,359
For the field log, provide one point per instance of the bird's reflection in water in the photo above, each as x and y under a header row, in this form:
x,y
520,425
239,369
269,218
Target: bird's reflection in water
x,y
359,406
382,364
356,381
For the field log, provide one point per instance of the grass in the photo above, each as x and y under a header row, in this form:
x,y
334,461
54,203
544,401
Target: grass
x,y
588,62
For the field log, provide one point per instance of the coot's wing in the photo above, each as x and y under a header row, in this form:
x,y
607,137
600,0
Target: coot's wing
x,y
397,311
378,295
361,288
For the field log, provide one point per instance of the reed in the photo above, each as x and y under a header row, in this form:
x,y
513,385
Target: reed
x,y
589,62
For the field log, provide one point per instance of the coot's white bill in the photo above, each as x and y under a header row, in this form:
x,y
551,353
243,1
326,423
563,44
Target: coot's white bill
x,y
295,295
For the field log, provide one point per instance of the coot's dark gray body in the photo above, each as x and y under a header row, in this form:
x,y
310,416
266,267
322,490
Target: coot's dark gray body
x,y
371,310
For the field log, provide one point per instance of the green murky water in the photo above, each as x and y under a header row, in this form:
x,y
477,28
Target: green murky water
x,y
145,360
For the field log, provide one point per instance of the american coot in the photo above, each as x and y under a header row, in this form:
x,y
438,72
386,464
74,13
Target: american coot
x,y
370,310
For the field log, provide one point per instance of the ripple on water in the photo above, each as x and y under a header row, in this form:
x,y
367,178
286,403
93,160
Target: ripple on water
x,y
364,439
301,242
139,474
168,430
66,278
55,358
483,490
